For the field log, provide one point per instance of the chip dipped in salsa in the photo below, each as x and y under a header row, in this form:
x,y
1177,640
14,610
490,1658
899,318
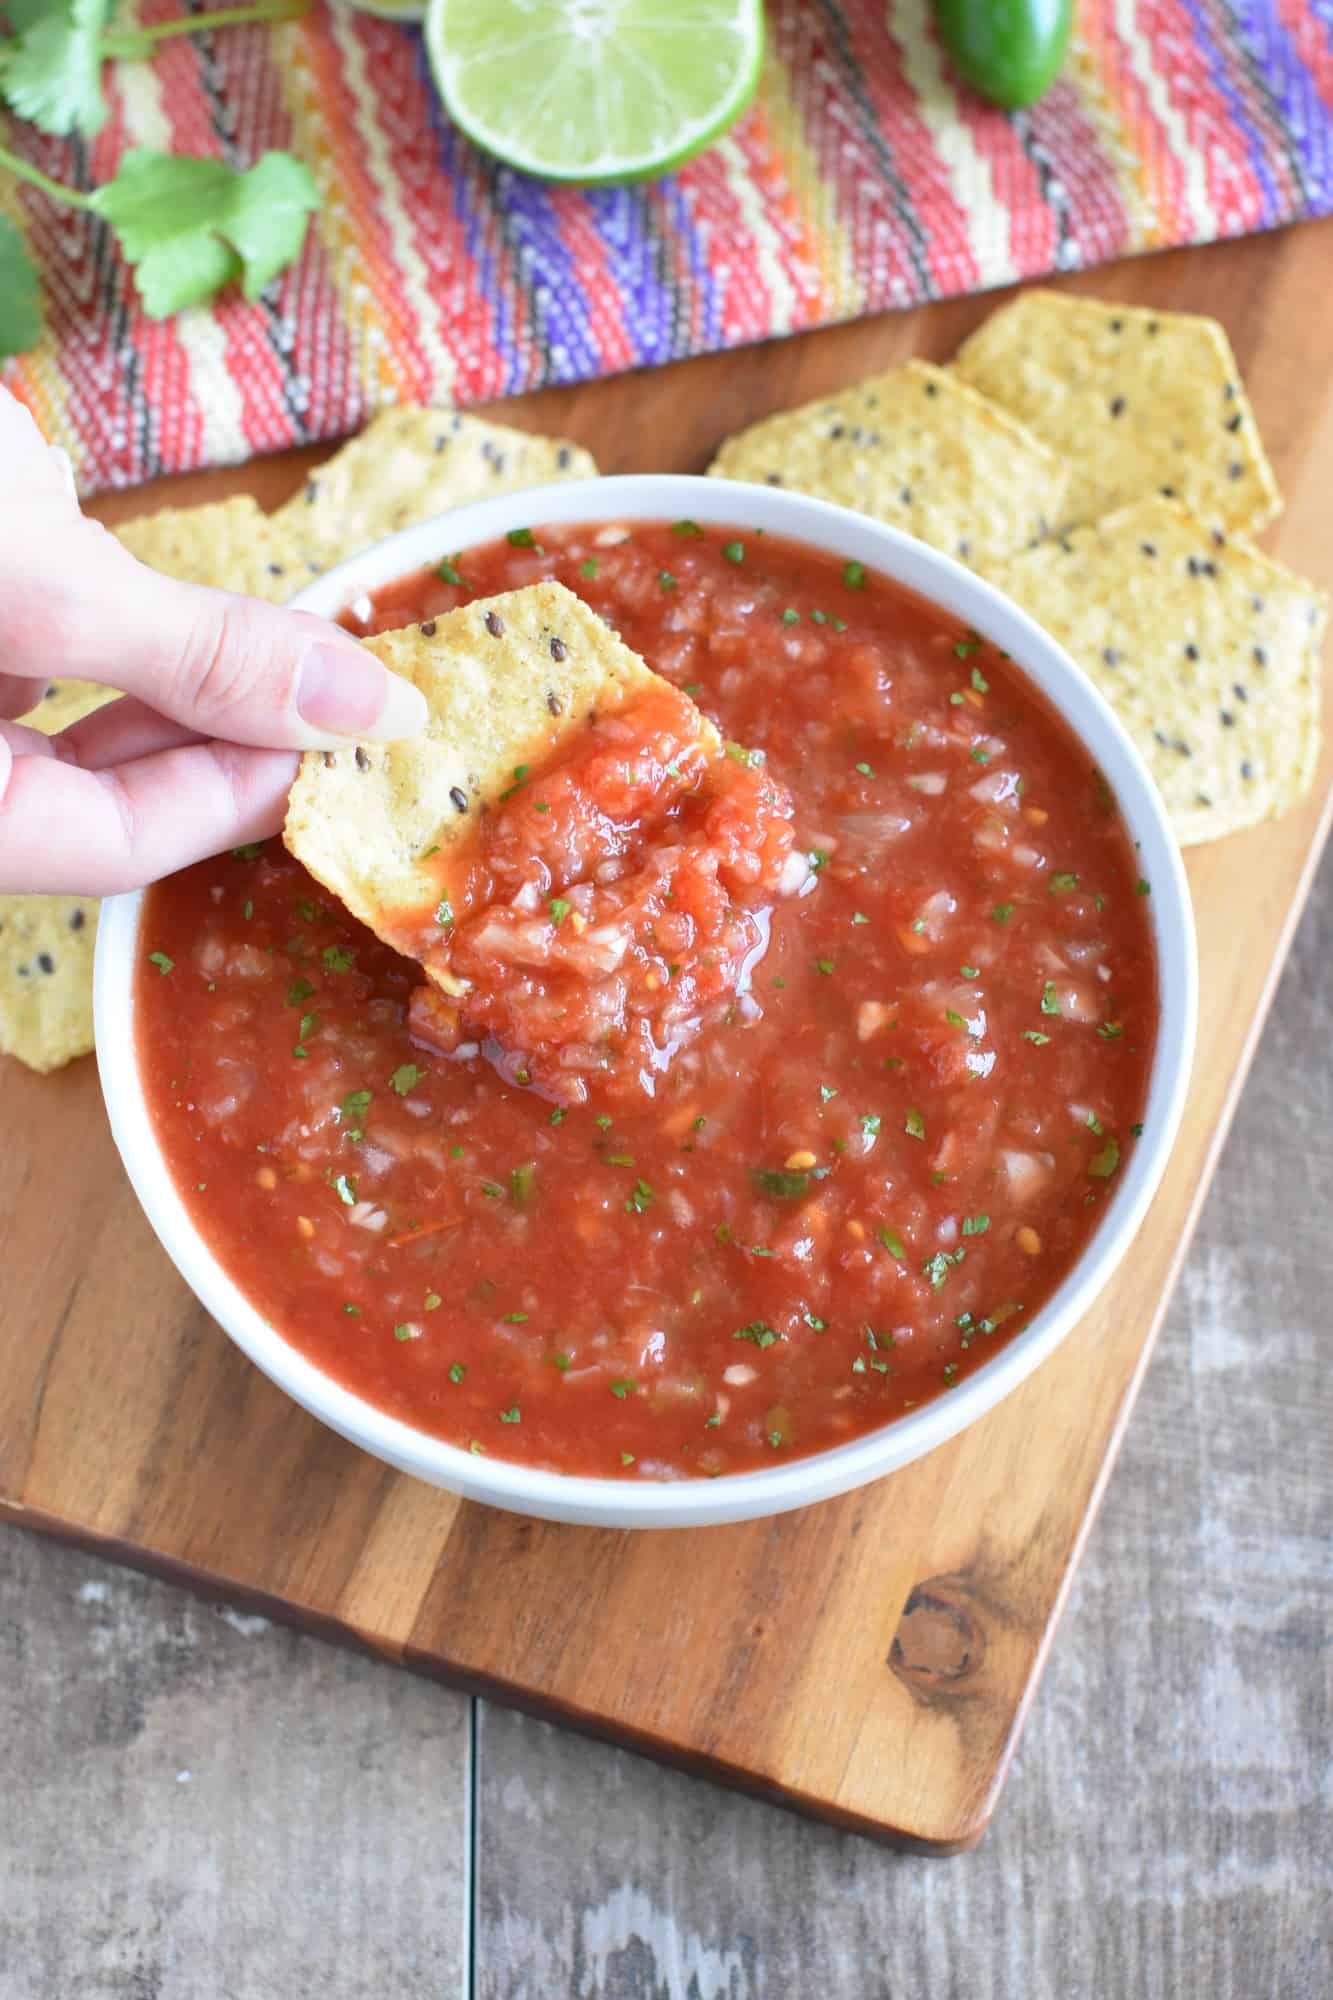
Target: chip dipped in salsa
x,y
884,1134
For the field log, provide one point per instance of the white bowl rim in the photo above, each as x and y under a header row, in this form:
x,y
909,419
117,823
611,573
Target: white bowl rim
x,y
796,1482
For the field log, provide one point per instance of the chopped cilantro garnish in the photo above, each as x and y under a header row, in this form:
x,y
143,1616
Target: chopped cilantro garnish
x,y
559,909
306,1026
627,1458
975,1225
514,1416
299,990
1110,1031
354,1107
604,1121
622,1387
914,1125
892,1242
817,859
954,1019
559,1115
825,965
306,912
337,958
1104,1164
980,756
345,1189
698,1124
964,648
918,926
686,528
433,1302
826,1092
979,681
448,572
444,913
938,1267
248,909
521,538
1142,887
854,575
1002,912
1062,885
757,1333
248,852
492,1190
790,617
456,1371
588,567
406,1077
354,1312
970,971
563,1362
870,1123
406,1331
813,1321
665,579
1035,1036
819,617
840,624
780,1183
161,961
522,1181
514,1319
1050,999
641,1199
866,770
733,552
859,917
955,699
1093,1123
1137,1130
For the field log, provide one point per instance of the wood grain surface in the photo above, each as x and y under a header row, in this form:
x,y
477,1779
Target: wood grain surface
x,y
871,1659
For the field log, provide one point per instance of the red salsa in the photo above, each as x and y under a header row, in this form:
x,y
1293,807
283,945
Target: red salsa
x,y
910,1028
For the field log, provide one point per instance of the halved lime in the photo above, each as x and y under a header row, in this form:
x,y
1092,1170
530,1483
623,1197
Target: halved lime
x,y
595,90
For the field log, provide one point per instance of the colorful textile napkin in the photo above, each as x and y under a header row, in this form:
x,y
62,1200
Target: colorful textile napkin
x,y
863,178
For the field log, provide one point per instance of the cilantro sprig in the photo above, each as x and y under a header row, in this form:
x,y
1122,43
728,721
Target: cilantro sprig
x,y
187,226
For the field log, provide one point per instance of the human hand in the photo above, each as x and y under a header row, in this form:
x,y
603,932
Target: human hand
x,y
220,692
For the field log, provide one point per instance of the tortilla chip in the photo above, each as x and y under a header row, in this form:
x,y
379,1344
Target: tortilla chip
x,y
1139,402
408,465
507,678
1209,653
230,544
917,448
46,978
65,703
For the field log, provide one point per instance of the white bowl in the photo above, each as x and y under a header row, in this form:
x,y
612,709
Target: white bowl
x,y
737,1496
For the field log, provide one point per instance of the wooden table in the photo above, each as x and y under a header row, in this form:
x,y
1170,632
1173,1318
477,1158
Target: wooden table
x,y
201,1780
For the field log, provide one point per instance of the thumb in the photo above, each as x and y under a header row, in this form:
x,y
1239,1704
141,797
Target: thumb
x,y
228,666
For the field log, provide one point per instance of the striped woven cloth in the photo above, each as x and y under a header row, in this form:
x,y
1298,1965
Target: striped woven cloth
x,y
863,178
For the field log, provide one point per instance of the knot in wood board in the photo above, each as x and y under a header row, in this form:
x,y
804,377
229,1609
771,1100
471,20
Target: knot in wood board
x,y
940,1643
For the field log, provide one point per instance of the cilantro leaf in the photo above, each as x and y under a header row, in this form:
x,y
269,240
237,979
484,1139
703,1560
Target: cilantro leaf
x,y
54,76
189,226
20,294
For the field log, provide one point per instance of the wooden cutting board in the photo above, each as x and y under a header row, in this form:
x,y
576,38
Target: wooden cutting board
x,y
869,1660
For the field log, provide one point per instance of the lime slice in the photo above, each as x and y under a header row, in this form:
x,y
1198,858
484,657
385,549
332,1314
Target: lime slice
x,y
595,90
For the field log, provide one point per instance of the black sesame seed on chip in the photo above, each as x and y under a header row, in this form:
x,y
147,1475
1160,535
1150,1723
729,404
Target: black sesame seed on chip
x,y
458,798
1239,691
329,760
1234,423
428,629
1150,549
559,650
1247,769
1259,654
562,456
1110,655
1191,650
773,479
1226,718
494,624
362,761
554,703
45,961
77,920
1117,406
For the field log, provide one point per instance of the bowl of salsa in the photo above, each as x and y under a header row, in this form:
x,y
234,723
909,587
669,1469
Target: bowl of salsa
x,y
842,1086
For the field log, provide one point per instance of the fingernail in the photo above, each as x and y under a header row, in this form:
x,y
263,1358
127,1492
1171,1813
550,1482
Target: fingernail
x,y
348,693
